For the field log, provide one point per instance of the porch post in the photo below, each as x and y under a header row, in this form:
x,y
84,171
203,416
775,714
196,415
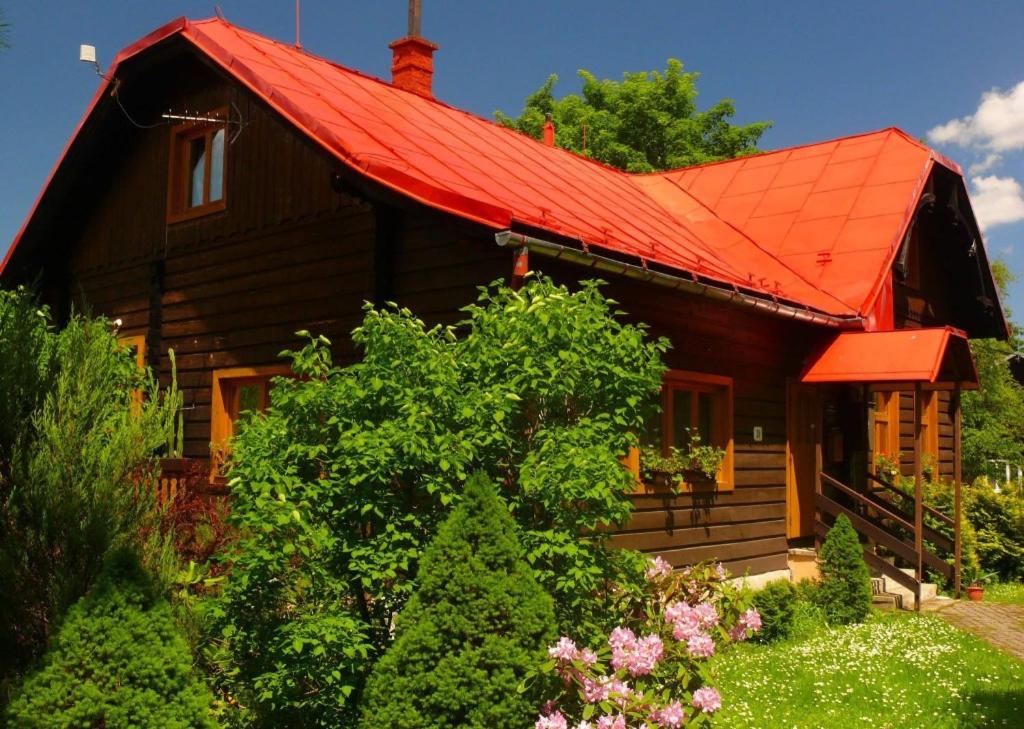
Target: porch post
x,y
957,476
918,495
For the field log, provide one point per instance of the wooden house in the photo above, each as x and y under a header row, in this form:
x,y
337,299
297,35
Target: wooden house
x,y
225,190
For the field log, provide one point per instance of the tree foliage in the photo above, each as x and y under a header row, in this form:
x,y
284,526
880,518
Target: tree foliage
x,y
338,488
477,623
117,661
80,474
993,416
648,121
845,592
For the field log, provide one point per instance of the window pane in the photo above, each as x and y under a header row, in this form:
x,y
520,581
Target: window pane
x,y
704,405
196,171
250,398
217,166
682,401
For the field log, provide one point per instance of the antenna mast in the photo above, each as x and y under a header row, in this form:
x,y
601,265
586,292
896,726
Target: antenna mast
x,y
298,23
415,19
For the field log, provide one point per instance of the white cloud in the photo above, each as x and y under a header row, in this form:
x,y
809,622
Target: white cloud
x,y
990,161
997,125
997,200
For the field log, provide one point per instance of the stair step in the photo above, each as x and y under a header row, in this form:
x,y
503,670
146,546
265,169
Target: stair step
x,y
887,601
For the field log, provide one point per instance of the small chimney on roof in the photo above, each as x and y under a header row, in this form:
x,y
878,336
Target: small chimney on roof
x,y
412,60
549,132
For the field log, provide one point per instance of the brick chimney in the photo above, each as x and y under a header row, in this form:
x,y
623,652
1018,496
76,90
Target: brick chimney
x,y
412,60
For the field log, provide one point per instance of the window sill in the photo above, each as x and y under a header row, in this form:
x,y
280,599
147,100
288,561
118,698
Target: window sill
x,y
200,211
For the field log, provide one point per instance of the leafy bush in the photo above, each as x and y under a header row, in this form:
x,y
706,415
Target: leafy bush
x,y
652,670
776,604
477,623
998,526
348,475
117,661
845,591
81,476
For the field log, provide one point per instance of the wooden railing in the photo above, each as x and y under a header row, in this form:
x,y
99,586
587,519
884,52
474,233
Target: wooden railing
x,y
179,475
884,524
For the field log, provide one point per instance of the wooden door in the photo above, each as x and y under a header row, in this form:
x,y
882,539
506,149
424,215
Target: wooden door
x,y
803,424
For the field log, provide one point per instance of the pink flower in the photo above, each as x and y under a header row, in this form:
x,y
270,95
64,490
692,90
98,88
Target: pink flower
x,y
751,620
720,571
621,638
612,722
701,646
671,716
551,721
657,569
685,620
563,650
708,615
738,632
595,691
587,657
707,699
618,690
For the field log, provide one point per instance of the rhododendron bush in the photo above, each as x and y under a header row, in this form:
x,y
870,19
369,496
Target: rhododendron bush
x,y
652,671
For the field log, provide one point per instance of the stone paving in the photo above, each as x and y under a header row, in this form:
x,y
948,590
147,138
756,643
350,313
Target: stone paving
x,y
1000,625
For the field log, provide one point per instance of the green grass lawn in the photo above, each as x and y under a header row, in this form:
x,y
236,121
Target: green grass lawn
x,y
896,670
1007,592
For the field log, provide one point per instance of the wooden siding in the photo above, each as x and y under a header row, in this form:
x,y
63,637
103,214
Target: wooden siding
x,y
946,433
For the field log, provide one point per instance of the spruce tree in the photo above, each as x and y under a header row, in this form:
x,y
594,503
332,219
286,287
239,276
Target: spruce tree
x,y
117,661
477,622
845,594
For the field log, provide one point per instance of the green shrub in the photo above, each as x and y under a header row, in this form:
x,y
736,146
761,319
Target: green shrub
x,y
81,479
116,661
776,604
998,525
348,475
476,625
845,591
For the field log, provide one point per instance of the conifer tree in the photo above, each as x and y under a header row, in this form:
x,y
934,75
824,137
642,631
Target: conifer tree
x,y
845,594
477,622
117,661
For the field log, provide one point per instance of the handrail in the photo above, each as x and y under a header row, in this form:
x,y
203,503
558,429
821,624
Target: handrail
x,y
878,533
937,538
927,509
867,502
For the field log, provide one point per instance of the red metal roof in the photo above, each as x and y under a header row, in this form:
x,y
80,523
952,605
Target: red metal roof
x,y
905,355
816,225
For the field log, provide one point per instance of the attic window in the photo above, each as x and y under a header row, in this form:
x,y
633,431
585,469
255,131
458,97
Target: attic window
x,y
196,180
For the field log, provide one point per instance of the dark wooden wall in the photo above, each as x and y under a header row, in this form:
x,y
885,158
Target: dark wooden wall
x,y
946,434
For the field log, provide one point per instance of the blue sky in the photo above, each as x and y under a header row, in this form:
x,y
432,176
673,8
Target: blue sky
x,y
951,72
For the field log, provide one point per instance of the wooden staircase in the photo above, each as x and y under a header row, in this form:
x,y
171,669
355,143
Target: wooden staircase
x,y
898,545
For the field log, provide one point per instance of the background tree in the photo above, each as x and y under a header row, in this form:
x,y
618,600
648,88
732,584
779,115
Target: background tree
x,y
477,624
993,416
5,29
648,121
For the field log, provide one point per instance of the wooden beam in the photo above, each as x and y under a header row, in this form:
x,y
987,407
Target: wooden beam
x,y
957,476
918,490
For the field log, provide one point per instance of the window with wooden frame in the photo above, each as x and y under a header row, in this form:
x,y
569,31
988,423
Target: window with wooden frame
x,y
698,403
235,392
886,427
136,345
198,162
930,424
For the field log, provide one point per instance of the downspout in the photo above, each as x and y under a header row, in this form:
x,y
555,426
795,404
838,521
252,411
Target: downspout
x,y
507,238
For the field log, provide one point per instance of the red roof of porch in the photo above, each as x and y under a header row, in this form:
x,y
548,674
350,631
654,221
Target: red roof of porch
x,y
927,356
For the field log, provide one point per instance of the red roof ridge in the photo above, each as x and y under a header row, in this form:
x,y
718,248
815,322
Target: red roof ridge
x,y
791,148
384,82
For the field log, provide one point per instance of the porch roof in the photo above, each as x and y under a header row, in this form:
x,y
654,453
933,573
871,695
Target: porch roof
x,y
927,356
